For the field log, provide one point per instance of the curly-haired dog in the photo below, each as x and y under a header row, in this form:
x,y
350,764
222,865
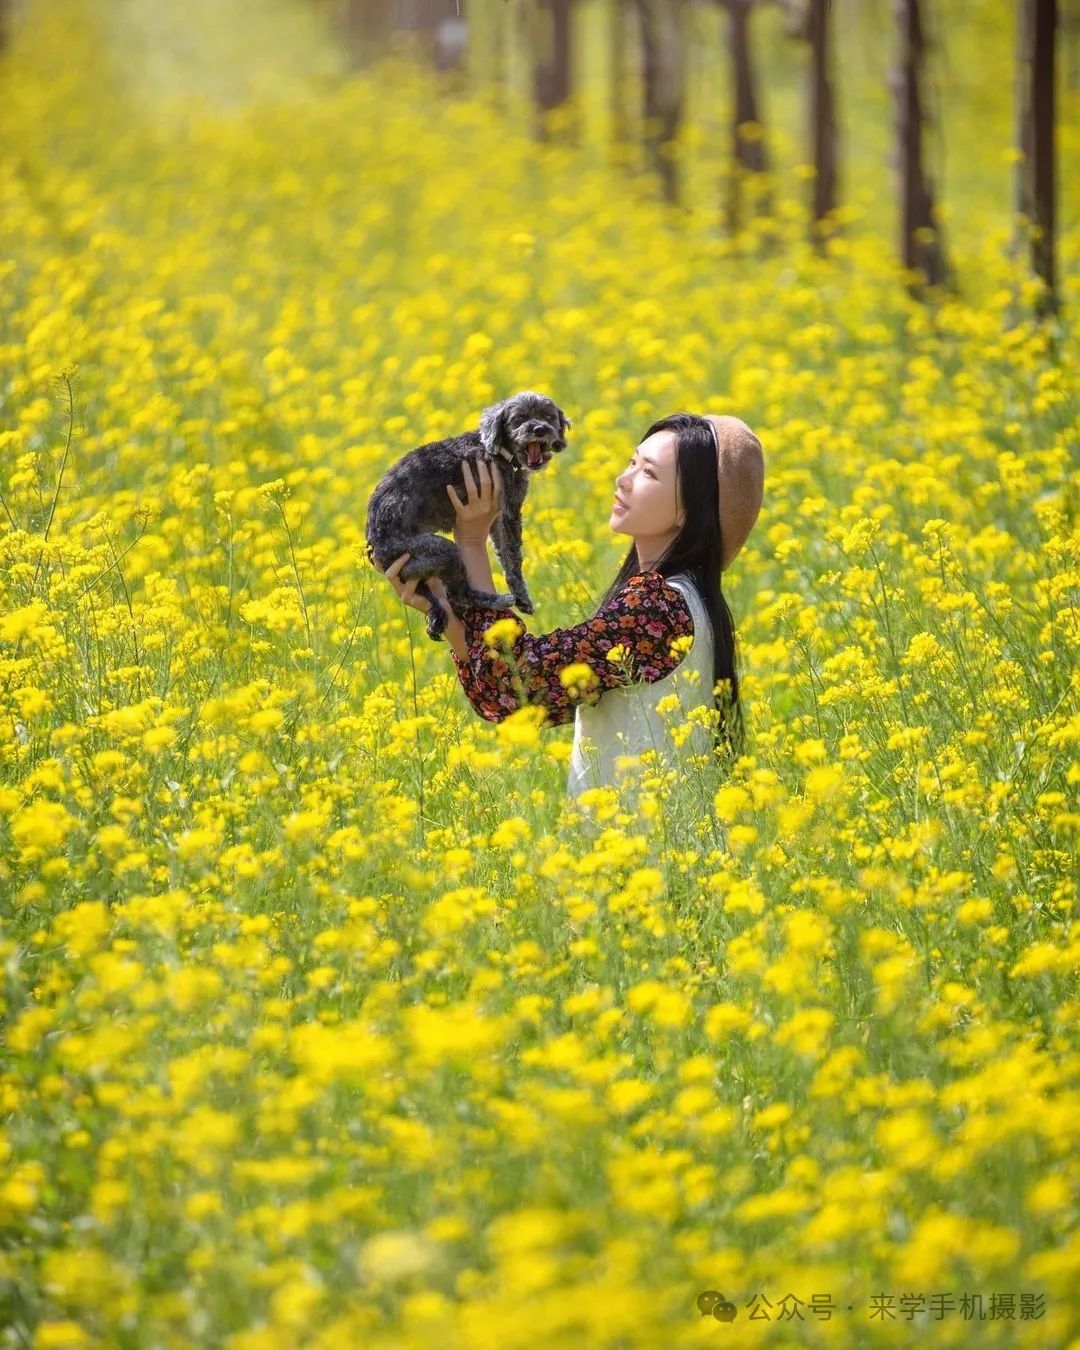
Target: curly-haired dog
x,y
517,436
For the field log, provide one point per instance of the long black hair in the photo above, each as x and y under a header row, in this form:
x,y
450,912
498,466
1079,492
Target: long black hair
x,y
697,552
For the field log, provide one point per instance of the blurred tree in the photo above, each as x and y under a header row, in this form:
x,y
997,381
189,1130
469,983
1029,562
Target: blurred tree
x,y
436,30
809,21
551,44
748,142
618,73
498,53
1069,23
663,76
1025,13
1036,184
366,26
822,115
921,244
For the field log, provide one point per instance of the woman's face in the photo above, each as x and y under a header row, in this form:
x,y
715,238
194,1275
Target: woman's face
x,y
648,491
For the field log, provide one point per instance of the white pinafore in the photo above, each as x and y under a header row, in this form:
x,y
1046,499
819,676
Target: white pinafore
x,y
625,721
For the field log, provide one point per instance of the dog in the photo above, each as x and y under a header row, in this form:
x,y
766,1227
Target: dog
x,y
518,437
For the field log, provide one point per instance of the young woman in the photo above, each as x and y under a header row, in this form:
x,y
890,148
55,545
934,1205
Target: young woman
x,y
689,499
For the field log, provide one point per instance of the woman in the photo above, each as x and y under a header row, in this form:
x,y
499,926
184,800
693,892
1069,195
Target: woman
x,y
689,499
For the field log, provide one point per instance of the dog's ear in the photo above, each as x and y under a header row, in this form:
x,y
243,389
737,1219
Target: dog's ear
x,y
493,426
564,423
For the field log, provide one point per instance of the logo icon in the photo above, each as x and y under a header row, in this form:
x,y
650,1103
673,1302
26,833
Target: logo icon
x,y
712,1301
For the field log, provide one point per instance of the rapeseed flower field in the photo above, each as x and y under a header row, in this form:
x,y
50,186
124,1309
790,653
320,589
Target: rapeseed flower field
x,y
328,1019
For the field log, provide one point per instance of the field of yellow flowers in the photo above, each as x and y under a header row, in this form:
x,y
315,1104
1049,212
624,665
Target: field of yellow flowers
x,y
328,1019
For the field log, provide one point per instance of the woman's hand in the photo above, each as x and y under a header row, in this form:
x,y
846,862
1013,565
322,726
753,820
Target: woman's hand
x,y
407,589
476,515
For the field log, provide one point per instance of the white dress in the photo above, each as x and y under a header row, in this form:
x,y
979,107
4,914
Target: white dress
x,y
624,721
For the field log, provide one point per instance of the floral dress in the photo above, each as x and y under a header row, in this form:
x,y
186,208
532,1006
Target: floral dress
x,y
644,619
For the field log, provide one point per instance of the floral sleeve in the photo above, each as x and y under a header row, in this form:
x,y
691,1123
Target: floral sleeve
x,y
645,619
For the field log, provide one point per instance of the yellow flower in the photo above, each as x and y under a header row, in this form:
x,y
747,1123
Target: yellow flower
x,y
199,844
305,826
266,719
577,677
724,1018
19,1191
349,1051
158,738
588,1001
201,1204
667,1007
824,783
108,1197
27,621
274,490
771,1116
29,1027
1049,1195
294,1304
778,1204
521,729
188,987
729,801
908,1140
502,630
806,1031
33,701
458,1032
694,1100
61,1335
510,833
40,828
394,1255
83,927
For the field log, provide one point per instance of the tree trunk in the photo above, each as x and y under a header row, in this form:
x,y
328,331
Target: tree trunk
x,y
1043,186
619,47
921,244
1025,13
1069,26
748,147
496,75
663,60
822,114
551,57
366,25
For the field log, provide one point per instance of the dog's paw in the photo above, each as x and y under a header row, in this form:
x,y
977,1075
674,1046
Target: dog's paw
x,y
491,601
524,604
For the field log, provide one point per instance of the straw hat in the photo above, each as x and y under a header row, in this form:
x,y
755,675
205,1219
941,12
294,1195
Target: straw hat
x,y
740,466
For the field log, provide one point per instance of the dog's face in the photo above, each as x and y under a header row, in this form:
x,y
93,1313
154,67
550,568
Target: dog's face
x,y
528,427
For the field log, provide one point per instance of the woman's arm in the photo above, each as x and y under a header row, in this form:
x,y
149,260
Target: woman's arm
x,y
457,637
455,629
473,520
644,620
474,554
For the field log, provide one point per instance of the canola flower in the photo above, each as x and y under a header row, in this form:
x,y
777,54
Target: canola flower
x,y
326,1020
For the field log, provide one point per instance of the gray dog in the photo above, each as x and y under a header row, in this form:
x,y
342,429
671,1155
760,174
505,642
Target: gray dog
x,y
410,501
